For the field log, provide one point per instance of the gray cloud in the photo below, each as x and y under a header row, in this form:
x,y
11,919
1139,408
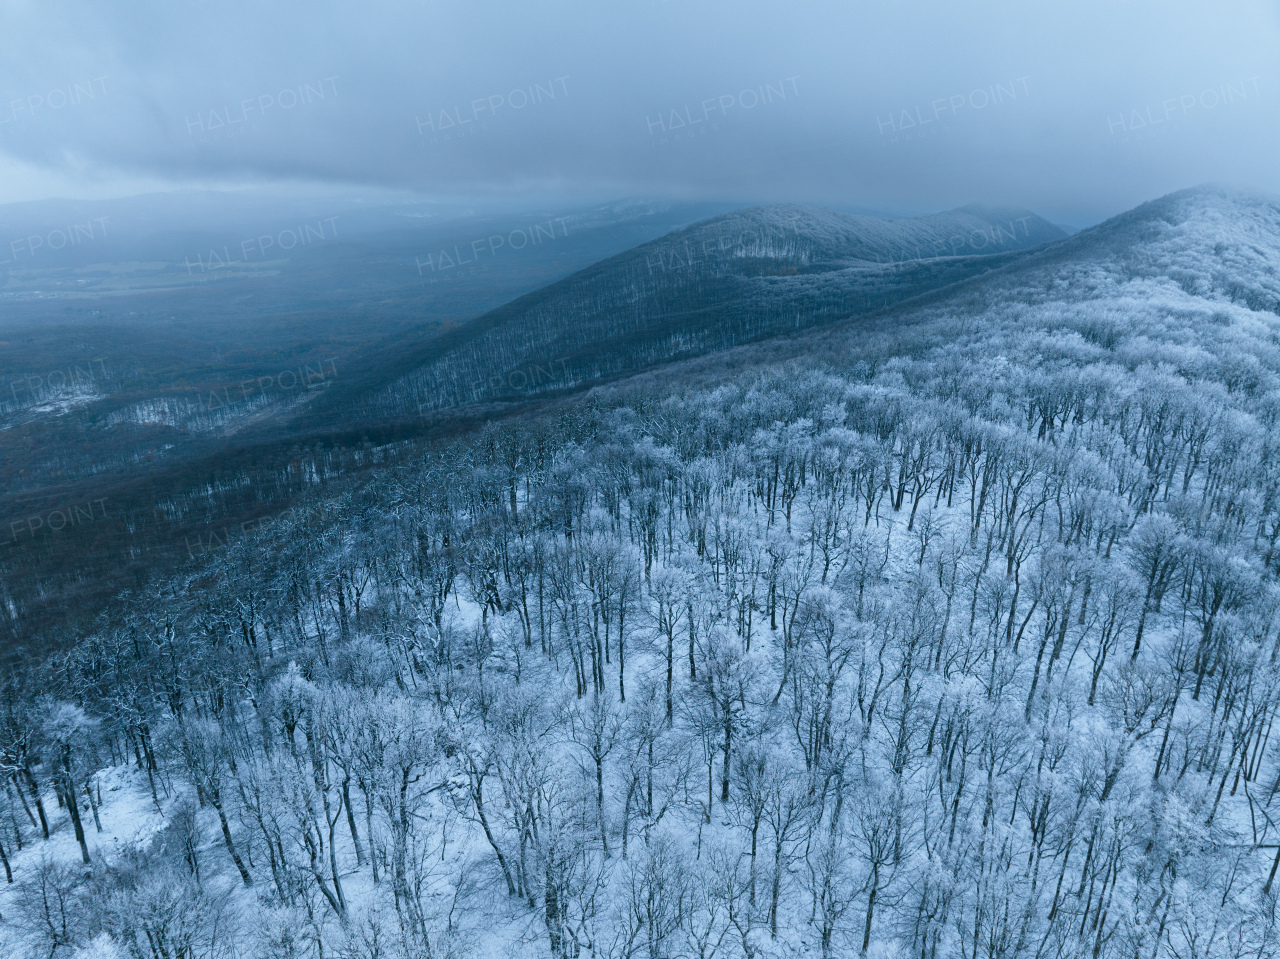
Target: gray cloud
x,y
1076,110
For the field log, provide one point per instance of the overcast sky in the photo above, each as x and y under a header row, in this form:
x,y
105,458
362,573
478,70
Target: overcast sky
x,y
1075,109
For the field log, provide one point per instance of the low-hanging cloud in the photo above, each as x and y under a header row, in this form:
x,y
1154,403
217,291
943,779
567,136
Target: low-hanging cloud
x,y
1075,110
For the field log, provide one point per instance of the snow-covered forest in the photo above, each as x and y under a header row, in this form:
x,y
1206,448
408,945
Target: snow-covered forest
x,y
953,637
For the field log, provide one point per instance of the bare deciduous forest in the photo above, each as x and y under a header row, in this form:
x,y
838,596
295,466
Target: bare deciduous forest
x,y
947,633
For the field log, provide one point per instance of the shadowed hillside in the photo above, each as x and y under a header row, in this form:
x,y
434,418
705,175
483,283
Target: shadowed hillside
x,y
729,280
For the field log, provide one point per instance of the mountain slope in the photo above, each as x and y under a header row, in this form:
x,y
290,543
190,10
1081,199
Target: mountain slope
x,y
1209,241
728,280
1180,282
980,602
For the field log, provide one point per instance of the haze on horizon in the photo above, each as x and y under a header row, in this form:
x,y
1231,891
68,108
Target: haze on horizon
x,y
1076,111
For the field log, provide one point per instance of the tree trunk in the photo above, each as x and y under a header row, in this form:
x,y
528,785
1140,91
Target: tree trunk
x,y
93,804
333,863
871,911
671,641
351,821
35,796
226,838
73,805
724,777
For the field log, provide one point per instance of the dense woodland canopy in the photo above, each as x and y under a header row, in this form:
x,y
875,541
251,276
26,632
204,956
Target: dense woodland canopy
x,y
726,281
206,407
956,637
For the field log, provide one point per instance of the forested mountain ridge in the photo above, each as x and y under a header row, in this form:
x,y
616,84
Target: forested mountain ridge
x,y
1210,241
952,632
728,280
